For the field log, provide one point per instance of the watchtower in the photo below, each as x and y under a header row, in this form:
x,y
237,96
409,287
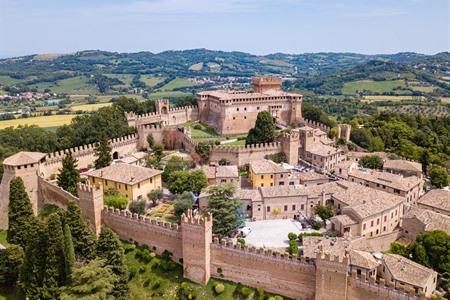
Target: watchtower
x,y
290,144
27,166
91,205
162,106
197,238
266,83
331,276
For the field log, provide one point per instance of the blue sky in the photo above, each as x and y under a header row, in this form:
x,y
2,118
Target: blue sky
x,y
255,26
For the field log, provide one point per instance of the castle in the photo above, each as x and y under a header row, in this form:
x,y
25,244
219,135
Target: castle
x,y
235,112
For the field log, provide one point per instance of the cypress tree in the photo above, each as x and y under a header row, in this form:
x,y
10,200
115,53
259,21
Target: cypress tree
x,y
20,213
11,259
82,236
103,153
264,130
32,271
69,175
69,253
55,266
110,249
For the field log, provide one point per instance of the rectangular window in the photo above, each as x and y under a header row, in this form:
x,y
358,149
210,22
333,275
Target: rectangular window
x,y
126,187
262,184
262,176
139,185
285,208
268,208
364,226
281,182
371,223
302,206
151,180
293,207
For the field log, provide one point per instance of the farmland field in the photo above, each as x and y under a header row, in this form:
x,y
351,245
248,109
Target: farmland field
x,y
159,95
177,83
352,87
90,107
445,100
436,110
151,80
42,121
125,78
73,85
392,98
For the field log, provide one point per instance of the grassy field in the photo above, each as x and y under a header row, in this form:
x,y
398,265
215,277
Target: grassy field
x,y
177,83
43,121
392,98
445,100
90,107
73,85
350,88
125,78
151,80
173,94
435,110
424,89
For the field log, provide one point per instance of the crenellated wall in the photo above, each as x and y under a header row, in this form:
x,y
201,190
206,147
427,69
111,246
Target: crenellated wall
x,y
258,267
85,155
158,235
245,154
166,116
50,193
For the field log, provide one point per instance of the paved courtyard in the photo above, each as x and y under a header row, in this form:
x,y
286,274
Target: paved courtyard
x,y
271,233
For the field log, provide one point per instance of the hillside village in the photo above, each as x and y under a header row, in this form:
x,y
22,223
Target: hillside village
x,y
316,221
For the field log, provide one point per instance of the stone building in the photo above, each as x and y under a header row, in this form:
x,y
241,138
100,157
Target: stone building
x,y
131,181
222,174
265,172
235,112
419,220
436,200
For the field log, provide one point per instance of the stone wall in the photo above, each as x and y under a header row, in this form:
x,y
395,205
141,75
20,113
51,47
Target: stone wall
x,y
158,235
362,289
85,156
167,116
254,267
245,154
50,193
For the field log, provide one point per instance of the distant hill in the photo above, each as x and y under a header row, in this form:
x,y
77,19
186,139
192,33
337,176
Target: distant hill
x,y
203,62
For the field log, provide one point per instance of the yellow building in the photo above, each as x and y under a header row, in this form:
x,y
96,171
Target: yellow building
x,y
133,182
264,172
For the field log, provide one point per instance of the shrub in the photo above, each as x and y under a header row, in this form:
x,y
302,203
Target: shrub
x,y
260,293
156,285
137,206
316,225
147,282
241,241
245,291
116,201
198,127
219,288
293,247
141,269
292,236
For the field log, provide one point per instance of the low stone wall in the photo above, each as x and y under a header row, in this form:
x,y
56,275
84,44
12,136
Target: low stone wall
x,y
157,235
262,268
50,193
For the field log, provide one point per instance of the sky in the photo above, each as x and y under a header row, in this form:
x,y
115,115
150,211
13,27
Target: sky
x,y
254,26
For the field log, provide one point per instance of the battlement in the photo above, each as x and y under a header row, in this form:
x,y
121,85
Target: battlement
x,y
189,218
252,147
151,127
181,109
383,287
326,257
315,124
88,188
140,219
263,253
147,115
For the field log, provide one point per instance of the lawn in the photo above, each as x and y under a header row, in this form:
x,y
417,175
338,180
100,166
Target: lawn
x,y
162,279
3,238
177,83
352,87
42,121
236,143
151,81
72,85
89,107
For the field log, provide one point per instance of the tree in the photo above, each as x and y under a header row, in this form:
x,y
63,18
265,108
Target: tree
x,y
103,153
20,213
150,140
82,235
323,211
116,200
203,149
175,163
432,249
197,181
224,162
33,268
425,161
110,249
158,151
155,195
226,209
439,176
69,253
264,130
69,175
92,281
137,206
11,260
371,162
182,204
55,266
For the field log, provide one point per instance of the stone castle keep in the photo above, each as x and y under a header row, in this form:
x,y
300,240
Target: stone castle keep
x,y
191,243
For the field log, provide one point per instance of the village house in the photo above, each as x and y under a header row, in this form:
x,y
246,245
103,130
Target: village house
x,y
437,200
407,187
404,272
418,220
312,178
403,167
222,174
131,181
264,172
